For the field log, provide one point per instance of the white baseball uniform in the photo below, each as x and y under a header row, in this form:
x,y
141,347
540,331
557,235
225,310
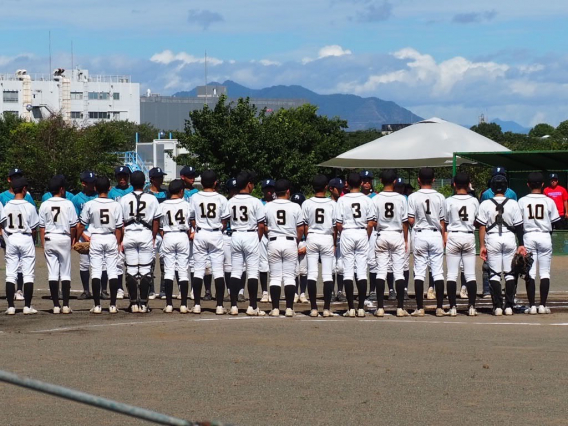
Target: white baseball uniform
x,y
391,210
103,216
501,243
319,215
246,213
175,244
353,211
21,220
209,210
428,208
461,211
282,219
539,213
57,216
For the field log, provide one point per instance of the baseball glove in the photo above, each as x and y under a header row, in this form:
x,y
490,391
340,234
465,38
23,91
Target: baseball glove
x,y
82,248
521,265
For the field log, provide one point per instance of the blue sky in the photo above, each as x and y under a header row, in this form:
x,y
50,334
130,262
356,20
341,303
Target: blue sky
x,y
457,60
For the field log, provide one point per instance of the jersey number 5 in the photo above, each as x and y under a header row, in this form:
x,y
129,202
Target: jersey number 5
x,y
105,217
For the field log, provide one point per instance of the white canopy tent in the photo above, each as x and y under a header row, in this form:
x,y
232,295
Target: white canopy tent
x,y
428,143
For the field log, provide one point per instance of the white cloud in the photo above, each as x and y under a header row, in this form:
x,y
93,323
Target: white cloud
x,y
268,62
327,51
167,56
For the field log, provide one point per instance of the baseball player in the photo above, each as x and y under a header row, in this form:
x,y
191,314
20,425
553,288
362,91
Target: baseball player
x,y
46,196
141,213
285,228
391,243
209,214
103,217
461,211
355,218
58,231
302,275
247,226
187,175
87,194
267,186
20,226
539,215
500,219
426,213
367,189
175,230
402,189
335,187
319,217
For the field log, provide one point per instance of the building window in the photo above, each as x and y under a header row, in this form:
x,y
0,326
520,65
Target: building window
x,y
98,96
116,96
10,96
96,115
76,96
76,114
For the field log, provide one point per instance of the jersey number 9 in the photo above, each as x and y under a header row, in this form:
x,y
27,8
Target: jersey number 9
x,y
281,216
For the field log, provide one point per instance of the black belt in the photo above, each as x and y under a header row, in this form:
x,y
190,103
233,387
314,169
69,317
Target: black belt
x,y
275,238
463,232
12,233
349,229
427,229
167,232
245,230
98,233
208,230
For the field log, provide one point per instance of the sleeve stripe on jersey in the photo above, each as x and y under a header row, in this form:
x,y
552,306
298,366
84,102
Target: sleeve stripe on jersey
x,y
555,220
481,222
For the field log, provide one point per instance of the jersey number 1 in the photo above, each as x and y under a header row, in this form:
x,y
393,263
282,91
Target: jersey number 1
x,y
11,221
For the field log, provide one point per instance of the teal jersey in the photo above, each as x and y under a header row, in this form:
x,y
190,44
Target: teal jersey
x,y
161,196
117,193
189,192
80,200
488,194
8,196
372,194
47,196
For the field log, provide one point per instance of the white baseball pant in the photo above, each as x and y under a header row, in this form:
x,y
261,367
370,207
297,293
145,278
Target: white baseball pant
x,y
20,253
103,250
263,252
428,252
245,252
390,251
460,247
227,265
373,267
57,253
302,261
138,252
338,259
175,251
540,245
354,249
282,260
500,253
208,244
319,246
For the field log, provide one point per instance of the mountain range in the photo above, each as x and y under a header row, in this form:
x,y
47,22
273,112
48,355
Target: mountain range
x,y
360,113
511,126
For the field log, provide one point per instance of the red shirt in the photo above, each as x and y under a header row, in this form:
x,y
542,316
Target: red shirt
x,y
559,195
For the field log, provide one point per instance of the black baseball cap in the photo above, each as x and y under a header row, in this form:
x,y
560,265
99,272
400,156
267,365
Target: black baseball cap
x,y
336,183
498,171
156,172
231,184
15,172
554,176
298,198
267,182
121,170
366,174
536,177
281,185
188,171
88,176
461,178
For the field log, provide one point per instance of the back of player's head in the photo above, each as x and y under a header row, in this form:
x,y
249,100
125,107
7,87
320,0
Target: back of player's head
x,y
208,179
102,184
319,183
18,184
176,186
426,175
461,180
499,184
535,180
243,179
388,176
138,180
281,187
354,179
56,183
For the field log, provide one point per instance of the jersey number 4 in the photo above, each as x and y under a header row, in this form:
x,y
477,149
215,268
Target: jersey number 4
x,y
462,213
178,217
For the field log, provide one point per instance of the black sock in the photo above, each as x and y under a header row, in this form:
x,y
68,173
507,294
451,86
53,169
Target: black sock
x,y
183,289
132,286
120,282
243,283
303,283
419,290
197,287
406,278
531,291
169,287
372,282
96,285
349,293
462,279
297,286
219,290
496,295
228,280
113,286
510,290
253,290
327,291
452,296
380,293
28,294
312,293
85,280
471,292
10,293
544,289
390,281
431,282
275,291
145,283
207,282
54,291
340,282
440,293
362,290
263,281
104,281
400,294
289,293
20,281
66,290
235,285
162,276
152,288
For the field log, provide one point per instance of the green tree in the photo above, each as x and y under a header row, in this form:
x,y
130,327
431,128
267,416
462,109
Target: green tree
x,y
540,130
489,130
561,131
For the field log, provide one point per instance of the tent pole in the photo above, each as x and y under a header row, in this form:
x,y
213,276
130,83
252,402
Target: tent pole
x,y
454,165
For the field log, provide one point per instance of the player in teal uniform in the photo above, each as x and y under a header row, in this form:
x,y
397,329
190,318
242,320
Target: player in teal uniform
x,y
123,187
68,195
367,189
187,175
8,195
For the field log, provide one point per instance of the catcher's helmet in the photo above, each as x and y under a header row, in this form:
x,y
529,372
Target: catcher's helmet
x,y
499,184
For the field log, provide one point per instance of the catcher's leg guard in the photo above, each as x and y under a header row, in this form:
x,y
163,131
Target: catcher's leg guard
x,y
132,286
145,283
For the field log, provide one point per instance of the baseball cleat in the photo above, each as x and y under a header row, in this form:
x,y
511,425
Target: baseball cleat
x,y
112,309
401,313
120,294
441,313
196,309
486,295
361,313
219,310
274,313
10,311
417,313
183,309
463,292
350,313
56,310
543,310
341,297
531,311
264,298
152,296
234,311
380,312
372,296
66,310
255,312
303,298
296,298
241,298
168,309
453,312
314,313
327,313
177,296
29,310
105,295
143,309
96,309
134,309
207,296
162,296
431,294
392,295
19,295
406,296
289,312
85,296
472,312
191,296
498,312
508,311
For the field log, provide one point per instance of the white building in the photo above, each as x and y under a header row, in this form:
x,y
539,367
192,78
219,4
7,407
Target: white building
x,y
80,98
